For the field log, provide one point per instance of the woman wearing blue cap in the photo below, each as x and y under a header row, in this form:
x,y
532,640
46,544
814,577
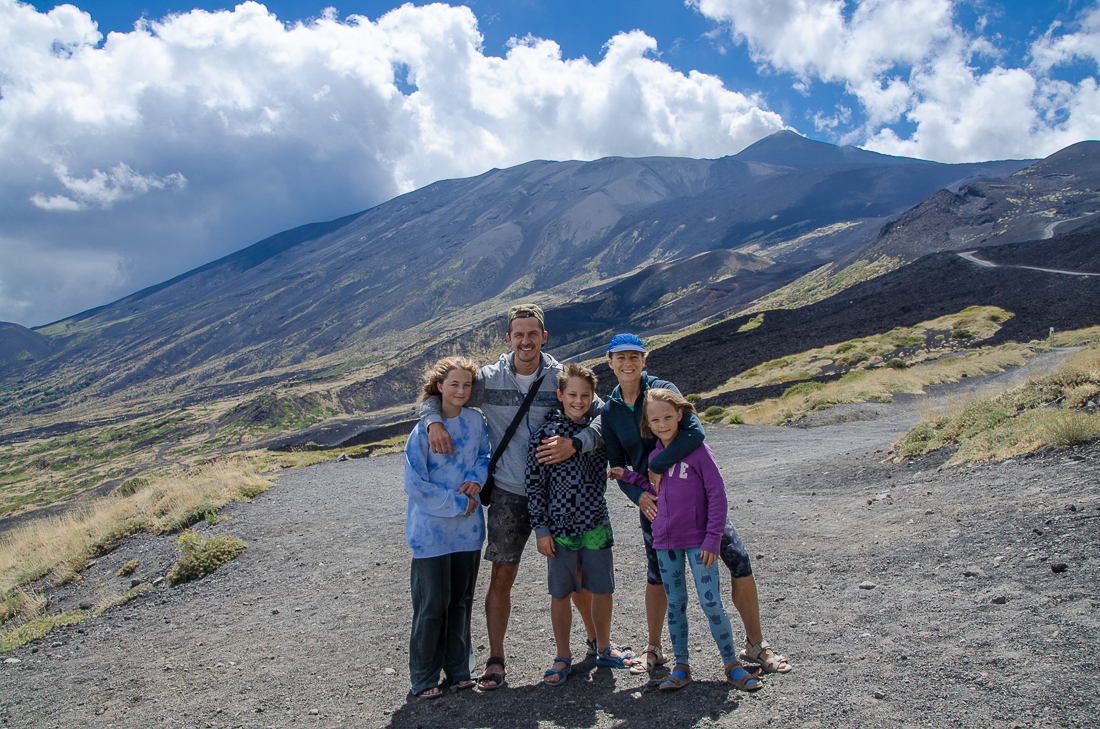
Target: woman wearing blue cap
x,y
622,416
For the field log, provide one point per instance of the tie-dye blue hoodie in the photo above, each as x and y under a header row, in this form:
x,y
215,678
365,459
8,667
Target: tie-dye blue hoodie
x,y
435,523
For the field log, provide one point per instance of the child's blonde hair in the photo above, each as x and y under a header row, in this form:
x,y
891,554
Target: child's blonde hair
x,y
572,370
673,398
438,372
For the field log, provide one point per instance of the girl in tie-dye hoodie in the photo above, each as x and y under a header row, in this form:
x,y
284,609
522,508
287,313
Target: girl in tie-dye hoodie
x,y
445,528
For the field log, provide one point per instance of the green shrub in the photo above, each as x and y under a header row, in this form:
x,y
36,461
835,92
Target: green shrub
x,y
802,388
853,359
37,629
199,557
1071,428
960,334
1079,396
131,487
897,364
693,397
128,568
714,411
846,347
736,419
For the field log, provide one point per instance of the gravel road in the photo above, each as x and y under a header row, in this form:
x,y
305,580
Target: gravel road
x,y
903,595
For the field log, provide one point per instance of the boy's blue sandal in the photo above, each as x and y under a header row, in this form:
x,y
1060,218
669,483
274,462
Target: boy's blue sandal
x,y
607,657
680,677
561,673
741,678
593,650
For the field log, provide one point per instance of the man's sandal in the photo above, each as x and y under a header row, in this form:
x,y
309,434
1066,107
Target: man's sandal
x,y
425,696
680,677
741,678
495,677
653,658
561,673
763,655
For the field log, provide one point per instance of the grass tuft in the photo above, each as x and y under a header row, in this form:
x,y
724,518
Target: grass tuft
x,y
199,557
1044,410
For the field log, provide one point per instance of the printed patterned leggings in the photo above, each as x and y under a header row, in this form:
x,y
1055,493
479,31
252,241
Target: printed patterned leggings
x,y
674,578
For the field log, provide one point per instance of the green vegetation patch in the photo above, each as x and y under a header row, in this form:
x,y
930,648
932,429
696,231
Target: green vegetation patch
x,y
199,557
1051,410
37,629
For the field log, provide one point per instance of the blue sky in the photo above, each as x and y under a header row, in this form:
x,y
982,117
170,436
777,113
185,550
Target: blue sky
x,y
132,155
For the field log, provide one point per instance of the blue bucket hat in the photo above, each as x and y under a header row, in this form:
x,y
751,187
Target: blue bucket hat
x,y
625,343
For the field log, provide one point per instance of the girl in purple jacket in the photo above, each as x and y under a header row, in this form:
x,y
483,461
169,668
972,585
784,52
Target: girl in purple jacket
x,y
691,514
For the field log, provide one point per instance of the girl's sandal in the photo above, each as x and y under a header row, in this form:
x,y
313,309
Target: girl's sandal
x,y
744,680
680,677
763,654
653,658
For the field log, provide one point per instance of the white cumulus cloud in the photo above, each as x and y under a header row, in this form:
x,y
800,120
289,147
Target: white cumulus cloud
x,y
199,133
104,189
910,62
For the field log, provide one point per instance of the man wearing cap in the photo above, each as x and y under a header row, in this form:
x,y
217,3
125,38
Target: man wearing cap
x,y
621,418
499,391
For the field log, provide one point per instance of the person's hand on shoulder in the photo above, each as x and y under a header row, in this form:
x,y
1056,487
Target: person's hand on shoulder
x,y
440,440
555,449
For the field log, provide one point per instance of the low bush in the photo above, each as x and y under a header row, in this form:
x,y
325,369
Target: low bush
x,y
853,359
736,419
1080,396
802,388
199,557
1070,428
693,397
128,568
897,364
960,334
714,411
846,347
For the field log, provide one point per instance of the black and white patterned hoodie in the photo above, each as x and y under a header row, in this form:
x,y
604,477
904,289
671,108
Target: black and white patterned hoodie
x,y
566,499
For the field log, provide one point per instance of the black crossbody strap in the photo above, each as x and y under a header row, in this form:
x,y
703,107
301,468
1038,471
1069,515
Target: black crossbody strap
x,y
515,423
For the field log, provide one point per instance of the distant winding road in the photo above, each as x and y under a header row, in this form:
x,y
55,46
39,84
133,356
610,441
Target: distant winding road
x,y
969,255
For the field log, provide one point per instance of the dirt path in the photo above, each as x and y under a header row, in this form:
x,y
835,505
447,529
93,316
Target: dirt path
x,y
904,596
969,255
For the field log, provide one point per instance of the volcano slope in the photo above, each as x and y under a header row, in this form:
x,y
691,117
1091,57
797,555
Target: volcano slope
x,y
902,594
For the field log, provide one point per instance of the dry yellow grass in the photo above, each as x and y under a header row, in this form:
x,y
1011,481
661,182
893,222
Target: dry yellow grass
x,y
1049,409
171,499
880,385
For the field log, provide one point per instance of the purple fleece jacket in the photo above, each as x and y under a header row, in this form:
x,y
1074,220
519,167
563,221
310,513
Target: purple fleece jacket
x,y
691,507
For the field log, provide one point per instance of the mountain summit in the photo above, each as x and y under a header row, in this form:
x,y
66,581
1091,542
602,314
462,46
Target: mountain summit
x,y
456,252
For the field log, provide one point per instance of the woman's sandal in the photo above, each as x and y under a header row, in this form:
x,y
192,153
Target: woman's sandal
x,y
762,654
424,695
745,680
496,677
464,684
608,657
653,658
680,677
561,673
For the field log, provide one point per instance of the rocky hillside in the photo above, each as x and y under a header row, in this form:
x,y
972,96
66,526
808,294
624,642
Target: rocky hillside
x,y
453,254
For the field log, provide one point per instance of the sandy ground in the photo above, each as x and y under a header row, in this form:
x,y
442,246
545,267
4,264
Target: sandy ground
x,y
904,596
